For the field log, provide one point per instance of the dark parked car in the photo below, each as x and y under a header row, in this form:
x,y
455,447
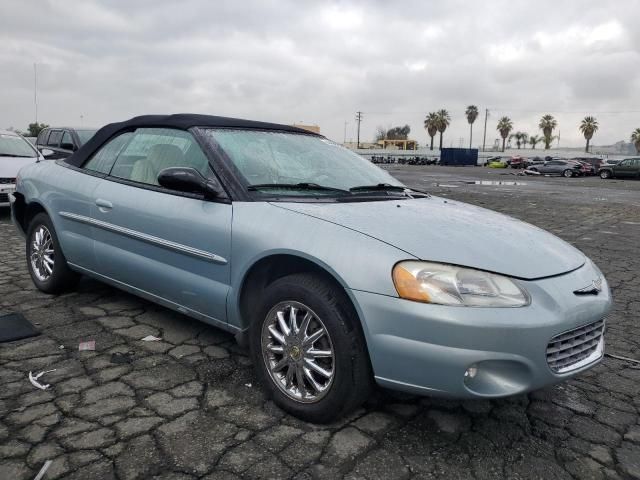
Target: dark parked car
x,y
566,168
62,141
629,168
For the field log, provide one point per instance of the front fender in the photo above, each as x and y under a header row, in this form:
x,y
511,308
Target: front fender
x,y
355,260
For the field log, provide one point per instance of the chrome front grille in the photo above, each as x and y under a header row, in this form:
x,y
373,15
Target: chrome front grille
x,y
576,348
7,180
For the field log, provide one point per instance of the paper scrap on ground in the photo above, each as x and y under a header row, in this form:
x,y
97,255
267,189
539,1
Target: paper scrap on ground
x,y
150,338
34,379
90,345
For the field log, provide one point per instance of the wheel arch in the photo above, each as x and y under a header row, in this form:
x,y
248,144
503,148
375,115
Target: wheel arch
x,y
273,265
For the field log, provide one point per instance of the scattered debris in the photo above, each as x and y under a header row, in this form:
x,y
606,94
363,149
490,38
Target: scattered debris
x,y
34,379
249,385
61,347
43,470
89,346
620,357
121,358
150,338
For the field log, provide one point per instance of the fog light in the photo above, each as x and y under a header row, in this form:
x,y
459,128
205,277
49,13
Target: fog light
x,y
471,372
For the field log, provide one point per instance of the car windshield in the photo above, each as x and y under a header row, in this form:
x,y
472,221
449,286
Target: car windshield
x,y
15,146
85,135
298,164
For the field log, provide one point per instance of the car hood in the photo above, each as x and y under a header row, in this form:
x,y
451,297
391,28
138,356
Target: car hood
x,y
10,166
447,231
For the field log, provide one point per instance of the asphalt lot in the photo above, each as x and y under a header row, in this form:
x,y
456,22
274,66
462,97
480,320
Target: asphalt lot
x,y
188,406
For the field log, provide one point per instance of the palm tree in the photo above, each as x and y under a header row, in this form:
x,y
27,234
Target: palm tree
x,y
505,125
430,125
635,139
521,138
588,127
472,113
444,120
547,125
533,141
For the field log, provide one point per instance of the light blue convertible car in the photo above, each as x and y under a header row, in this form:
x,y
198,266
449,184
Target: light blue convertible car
x,y
336,275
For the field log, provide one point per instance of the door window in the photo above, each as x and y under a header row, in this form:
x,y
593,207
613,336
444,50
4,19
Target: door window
x,y
54,138
42,138
151,150
103,160
67,141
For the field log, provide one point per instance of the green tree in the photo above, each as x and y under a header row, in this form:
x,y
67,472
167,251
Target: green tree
x,y
34,129
431,126
398,133
521,138
444,120
534,140
505,125
547,125
588,127
471,113
635,139
381,133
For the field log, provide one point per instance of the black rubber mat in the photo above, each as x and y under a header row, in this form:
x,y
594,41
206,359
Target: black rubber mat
x,y
14,326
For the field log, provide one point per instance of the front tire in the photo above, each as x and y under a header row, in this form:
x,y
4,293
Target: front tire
x,y
604,174
46,263
567,173
308,348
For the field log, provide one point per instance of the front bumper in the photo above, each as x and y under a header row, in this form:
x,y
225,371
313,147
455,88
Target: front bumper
x,y
427,349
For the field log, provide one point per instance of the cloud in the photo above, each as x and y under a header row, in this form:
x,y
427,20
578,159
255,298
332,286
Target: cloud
x,y
320,62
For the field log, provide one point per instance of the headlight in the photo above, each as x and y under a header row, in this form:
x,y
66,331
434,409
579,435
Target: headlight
x,y
450,285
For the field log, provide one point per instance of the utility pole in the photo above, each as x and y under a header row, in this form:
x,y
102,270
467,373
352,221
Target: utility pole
x,y
484,136
345,133
358,119
35,90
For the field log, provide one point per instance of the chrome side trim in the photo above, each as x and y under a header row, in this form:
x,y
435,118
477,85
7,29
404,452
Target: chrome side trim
x,y
157,299
177,247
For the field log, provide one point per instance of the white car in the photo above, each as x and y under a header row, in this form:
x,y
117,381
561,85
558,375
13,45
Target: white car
x,y
15,153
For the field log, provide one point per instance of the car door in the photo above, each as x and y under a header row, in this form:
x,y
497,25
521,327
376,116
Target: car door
x,y
75,195
549,167
167,244
624,168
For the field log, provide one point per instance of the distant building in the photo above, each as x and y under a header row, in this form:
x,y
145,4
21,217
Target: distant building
x,y
406,144
309,128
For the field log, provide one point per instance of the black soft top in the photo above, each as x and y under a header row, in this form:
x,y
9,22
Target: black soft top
x,y
182,121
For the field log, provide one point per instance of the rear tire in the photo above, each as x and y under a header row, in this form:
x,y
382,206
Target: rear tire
x,y
46,263
285,361
567,173
604,174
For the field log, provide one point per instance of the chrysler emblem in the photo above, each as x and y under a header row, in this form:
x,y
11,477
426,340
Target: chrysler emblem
x,y
593,289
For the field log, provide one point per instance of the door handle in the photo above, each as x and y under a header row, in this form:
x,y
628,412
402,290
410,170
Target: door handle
x,y
104,205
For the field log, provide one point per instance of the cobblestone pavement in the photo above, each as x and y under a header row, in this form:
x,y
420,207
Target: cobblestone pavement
x,y
188,406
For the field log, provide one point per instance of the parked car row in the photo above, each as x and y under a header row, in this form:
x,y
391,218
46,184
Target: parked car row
x,y
15,153
574,167
416,160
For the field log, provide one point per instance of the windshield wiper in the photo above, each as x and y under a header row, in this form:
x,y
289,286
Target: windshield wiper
x,y
387,187
296,186
17,156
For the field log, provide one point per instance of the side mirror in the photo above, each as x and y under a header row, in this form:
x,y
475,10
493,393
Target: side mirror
x,y
187,179
46,152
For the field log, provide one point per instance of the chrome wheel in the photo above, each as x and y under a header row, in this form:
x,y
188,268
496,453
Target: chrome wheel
x,y
298,352
42,253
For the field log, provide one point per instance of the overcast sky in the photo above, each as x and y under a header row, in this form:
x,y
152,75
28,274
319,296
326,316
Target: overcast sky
x,y
319,62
